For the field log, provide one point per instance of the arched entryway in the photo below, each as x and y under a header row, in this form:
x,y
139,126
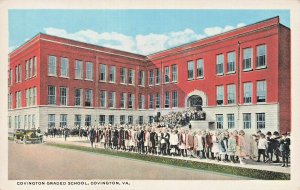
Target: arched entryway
x,y
194,101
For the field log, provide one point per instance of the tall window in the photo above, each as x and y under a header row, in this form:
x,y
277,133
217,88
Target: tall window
x,y
30,96
130,119
20,73
247,120
191,70
78,69
157,100
141,101
220,64
261,120
103,72
78,97
261,56
89,71
219,121
51,95
123,100
19,99
174,73
63,96
30,67
131,101
27,69
157,77
112,99
220,95
9,121
52,65
112,74
151,77
17,74
34,96
151,101
64,67
89,97
123,74
29,121
27,97
88,120
63,120
167,99
103,99
247,58
51,120
167,74
9,101
174,99
141,120
141,78
10,76
131,77
122,119
200,68
77,122
231,62
33,120
231,94
261,91
101,119
34,65
248,92
111,119
230,120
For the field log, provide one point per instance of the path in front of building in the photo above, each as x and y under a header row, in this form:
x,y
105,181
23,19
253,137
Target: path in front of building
x,y
42,162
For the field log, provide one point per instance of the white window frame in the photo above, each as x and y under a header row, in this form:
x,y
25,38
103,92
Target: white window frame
x,y
167,74
64,67
247,59
190,67
248,93
88,97
231,58
230,121
112,74
220,64
103,71
220,95
261,91
103,95
174,73
247,120
200,68
76,97
51,96
231,94
52,64
63,97
261,53
260,120
89,66
219,121
78,69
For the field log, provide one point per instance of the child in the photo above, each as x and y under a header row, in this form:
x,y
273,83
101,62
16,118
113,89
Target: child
x,y
182,145
199,144
241,149
262,146
231,146
215,145
173,142
285,149
223,145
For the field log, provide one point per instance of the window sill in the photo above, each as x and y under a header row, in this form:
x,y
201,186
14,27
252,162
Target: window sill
x,y
261,67
89,80
202,77
261,103
102,80
174,81
52,75
247,104
157,84
247,70
230,73
191,79
111,82
64,77
220,74
131,84
78,79
123,83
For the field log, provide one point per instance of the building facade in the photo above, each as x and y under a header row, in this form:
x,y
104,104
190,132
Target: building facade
x,y
241,78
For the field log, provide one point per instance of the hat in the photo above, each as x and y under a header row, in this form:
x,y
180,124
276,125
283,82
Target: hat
x,y
269,133
275,133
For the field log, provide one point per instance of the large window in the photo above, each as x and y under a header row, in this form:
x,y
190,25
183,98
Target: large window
x,y
174,73
167,74
18,99
157,77
9,101
78,69
141,120
88,120
77,122
51,95
219,121
18,73
247,120
123,100
200,68
231,94
130,100
157,100
230,120
151,101
52,66
130,119
220,95
103,99
111,119
88,97
261,91
231,62
51,120
220,64
190,70
122,119
248,92
247,59
151,77
112,74
261,120
89,71
10,77
131,77
101,119
261,56
34,66
141,101
141,78
174,99
167,99
27,69
123,75
63,96
30,67
78,97
112,99
103,72
64,67
63,120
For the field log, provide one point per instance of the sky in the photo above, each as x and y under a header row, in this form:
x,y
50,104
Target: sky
x,y
137,31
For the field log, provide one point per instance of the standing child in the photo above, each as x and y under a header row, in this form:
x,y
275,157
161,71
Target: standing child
x,y
215,146
231,147
173,142
199,144
262,146
241,146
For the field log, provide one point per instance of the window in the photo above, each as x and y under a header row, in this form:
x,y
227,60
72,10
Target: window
x,y
103,99
89,71
123,100
247,92
10,76
64,67
20,73
174,73
51,120
247,120
131,77
101,119
157,78
200,68
89,98
131,100
174,99
30,97
112,99
220,95
123,74
220,64
88,120
29,121
151,101
141,101
141,120
219,120
247,59
78,95
230,119
122,119
112,74
25,121
151,77
27,70
34,96
9,121
9,101
18,99
261,56
151,119
19,121
30,67
130,119
167,99
231,62
111,119
157,100
33,120
141,78
261,91
34,66
52,66
27,97
51,95
190,70
261,120
77,122
63,120
78,69
167,74
16,122
17,73
103,72
63,96
231,94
